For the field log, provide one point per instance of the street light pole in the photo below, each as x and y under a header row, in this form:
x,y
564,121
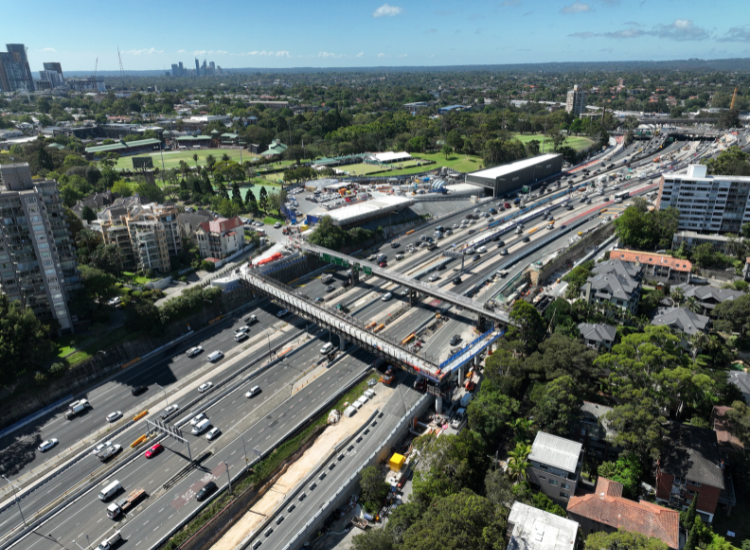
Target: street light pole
x,y
229,479
165,393
18,502
244,449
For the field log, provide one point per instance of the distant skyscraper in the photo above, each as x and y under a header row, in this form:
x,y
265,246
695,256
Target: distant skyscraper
x,y
15,74
175,70
576,101
197,67
212,65
54,66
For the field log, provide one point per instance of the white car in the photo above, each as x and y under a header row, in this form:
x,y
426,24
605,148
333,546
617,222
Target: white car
x,y
387,296
192,352
205,387
433,278
277,225
47,445
242,329
197,418
169,410
326,349
213,433
111,417
98,447
458,419
239,336
114,301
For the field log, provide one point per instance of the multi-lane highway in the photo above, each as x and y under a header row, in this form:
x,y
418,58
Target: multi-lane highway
x,y
249,415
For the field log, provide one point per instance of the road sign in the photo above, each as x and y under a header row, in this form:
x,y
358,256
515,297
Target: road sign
x,y
367,270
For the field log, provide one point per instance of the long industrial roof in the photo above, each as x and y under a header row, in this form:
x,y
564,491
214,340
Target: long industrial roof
x,y
505,169
119,146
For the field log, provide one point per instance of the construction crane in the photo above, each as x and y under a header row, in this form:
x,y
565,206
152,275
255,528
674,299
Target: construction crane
x,y
734,97
122,71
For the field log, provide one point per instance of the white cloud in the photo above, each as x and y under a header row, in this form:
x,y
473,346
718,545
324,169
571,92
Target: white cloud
x,y
264,53
381,55
682,29
180,51
145,51
332,55
360,54
200,52
576,7
282,53
387,11
47,50
404,55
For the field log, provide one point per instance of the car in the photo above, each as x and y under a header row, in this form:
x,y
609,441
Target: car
x,y
319,300
203,388
330,288
455,340
458,419
240,336
215,356
372,257
192,352
504,252
138,390
448,232
102,446
476,258
255,390
387,296
213,433
471,231
399,256
197,418
242,329
206,491
114,301
526,239
456,280
169,410
570,207
395,244
47,445
433,278
282,312
405,292
111,417
154,450
327,348
277,225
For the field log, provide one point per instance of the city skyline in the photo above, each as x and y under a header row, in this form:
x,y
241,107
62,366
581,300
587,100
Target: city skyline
x,y
395,33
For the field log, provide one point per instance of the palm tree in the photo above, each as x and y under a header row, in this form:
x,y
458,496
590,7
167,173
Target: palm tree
x,y
678,296
224,157
697,342
195,158
210,161
521,428
184,168
692,304
517,463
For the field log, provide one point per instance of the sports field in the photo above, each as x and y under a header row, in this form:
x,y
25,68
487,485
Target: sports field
x,y
576,142
172,158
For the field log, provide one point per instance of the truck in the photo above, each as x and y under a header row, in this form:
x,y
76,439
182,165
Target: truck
x,y
525,189
387,377
359,522
121,506
108,452
327,278
431,246
110,542
76,407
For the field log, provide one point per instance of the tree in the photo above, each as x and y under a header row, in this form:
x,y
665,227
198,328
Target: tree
x,y
374,539
195,158
447,150
688,520
107,257
623,540
677,295
122,188
577,277
733,316
692,540
24,341
533,147
729,162
626,470
457,522
639,426
144,317
638,228
739,421
263,202
490,412
528,324
498,488
374,488
517,463
558,407
251,202
88,239
88,214
275,201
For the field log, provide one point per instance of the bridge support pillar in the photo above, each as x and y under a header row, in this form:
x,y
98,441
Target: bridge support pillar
x,y
460,375
412,297
438,404
481,323
342,344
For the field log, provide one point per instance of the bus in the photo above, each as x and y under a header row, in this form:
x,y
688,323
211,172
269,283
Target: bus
x,y
619,197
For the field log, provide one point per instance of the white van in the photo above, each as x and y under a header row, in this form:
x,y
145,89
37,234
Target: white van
x,y
326,349
253,391
201,426
215,356
110,490
481,250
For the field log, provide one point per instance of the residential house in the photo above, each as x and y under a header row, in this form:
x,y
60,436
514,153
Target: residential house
x,y
616,283
191,221
606,510
658,266
555,466
598,335
594,431
690,467
682,321
220,238
532,529
708,297
728,442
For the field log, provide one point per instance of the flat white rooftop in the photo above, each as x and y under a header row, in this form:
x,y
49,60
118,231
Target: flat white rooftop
x,y
535,529
368,208
505,169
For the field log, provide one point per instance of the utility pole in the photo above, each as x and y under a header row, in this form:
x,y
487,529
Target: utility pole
x,y
18,502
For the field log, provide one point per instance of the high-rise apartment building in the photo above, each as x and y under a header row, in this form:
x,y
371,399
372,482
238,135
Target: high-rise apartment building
x,y
147,234
716,204
15,74
576,101
54,66
50,79
197,67
38,265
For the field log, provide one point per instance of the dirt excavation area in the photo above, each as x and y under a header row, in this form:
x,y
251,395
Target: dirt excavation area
x,y
299,470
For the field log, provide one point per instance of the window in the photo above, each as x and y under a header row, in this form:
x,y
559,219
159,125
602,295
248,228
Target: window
x,y
542,477
553,482
565,486
563,495
544,467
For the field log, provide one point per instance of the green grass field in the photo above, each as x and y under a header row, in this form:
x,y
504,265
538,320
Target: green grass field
x,y
575,142
172,158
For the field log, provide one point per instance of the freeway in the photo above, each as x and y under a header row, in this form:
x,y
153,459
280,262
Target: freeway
x,y
248,424
285,524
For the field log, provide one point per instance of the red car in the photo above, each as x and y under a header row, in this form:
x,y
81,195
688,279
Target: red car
x,y
153,451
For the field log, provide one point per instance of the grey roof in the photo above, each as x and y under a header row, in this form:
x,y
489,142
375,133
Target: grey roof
x,y
623,269
681,319
693,453
534,529
708,293
615,278
555,451
593,420
598,332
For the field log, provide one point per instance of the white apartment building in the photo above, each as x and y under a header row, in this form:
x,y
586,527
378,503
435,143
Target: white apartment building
x,y
715,204
576,101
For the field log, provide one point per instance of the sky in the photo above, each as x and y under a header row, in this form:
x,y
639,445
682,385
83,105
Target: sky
x,y
370,33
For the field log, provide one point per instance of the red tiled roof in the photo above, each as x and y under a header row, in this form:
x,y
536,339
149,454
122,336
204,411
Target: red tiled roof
x,y
606,506
651,259
220,225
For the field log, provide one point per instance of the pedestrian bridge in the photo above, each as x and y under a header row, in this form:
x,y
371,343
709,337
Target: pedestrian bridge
x,y
351,329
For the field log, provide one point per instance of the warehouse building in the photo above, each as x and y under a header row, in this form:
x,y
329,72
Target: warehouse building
x,y
360,213
500,180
